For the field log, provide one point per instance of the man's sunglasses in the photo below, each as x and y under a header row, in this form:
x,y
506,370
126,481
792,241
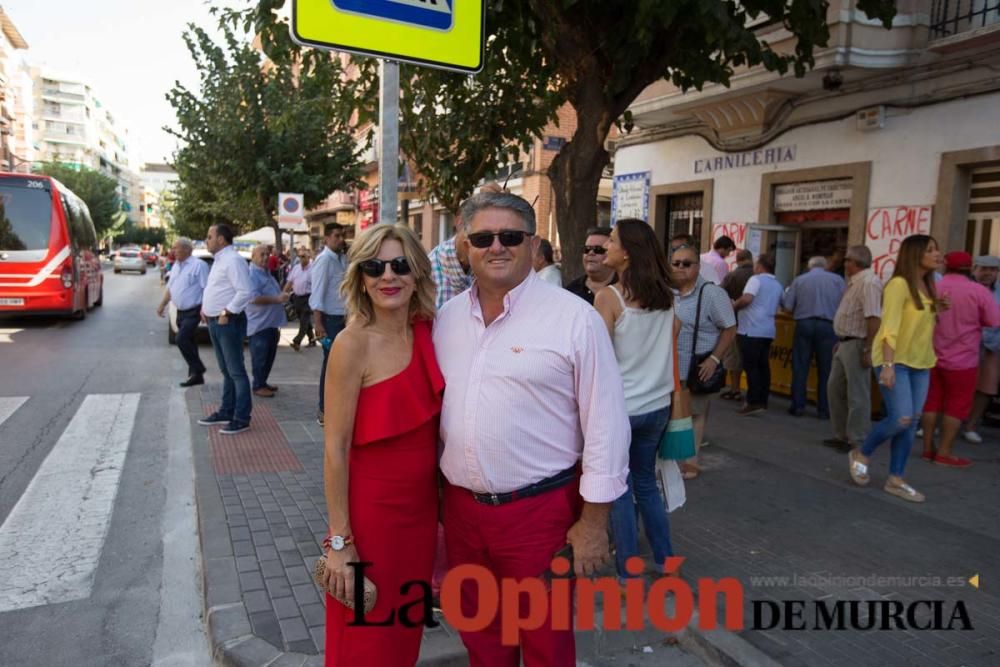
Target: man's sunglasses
x,y
374,268
596,249
508,238
686,263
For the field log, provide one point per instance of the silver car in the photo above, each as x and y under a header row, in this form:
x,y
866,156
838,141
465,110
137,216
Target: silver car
x,y
130,260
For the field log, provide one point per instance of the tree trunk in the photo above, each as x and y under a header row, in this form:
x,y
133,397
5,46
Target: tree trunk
x,y
271,219
576,177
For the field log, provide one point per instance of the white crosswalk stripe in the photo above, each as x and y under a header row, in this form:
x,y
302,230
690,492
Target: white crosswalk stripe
x,y
50,543
9,405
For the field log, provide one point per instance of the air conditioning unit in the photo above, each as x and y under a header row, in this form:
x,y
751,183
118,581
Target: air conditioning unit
x,y
872,118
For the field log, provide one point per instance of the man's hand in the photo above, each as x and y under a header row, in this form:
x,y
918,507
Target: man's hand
x,y
866,358
284,297
589,540
160,310
706,369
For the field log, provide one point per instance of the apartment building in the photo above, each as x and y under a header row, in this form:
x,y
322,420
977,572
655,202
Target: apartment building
x,y
72,125
893,133
158,180
11,90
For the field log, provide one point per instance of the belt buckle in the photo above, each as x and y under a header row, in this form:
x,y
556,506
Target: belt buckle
x,y
494,499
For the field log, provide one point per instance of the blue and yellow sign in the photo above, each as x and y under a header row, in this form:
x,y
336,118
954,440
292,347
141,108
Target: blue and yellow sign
x,y
447,34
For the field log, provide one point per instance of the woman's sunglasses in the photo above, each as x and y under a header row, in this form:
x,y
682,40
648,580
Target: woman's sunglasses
x,y
596,249
508,238
374,268
686,263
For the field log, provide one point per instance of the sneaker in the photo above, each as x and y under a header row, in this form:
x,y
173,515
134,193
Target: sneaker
x,y
235,427
213,419
973,437
952,461
319,418
920,432
750,410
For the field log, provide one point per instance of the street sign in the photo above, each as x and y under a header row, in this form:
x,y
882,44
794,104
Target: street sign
x,y
291,209
447,34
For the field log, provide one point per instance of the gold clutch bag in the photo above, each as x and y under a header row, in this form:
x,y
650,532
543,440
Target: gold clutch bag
x,y
371,593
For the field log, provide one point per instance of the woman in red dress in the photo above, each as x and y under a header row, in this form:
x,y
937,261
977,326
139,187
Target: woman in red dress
x,y
383,400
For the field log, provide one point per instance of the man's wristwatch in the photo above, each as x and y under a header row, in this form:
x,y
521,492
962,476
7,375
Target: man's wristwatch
x,y
337,542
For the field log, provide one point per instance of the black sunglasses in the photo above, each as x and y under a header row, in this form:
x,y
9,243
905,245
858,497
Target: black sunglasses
x,y
508,238
686,263
596,249
374,268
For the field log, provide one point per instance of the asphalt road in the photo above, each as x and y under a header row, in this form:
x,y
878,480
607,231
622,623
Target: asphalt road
x,y
99,561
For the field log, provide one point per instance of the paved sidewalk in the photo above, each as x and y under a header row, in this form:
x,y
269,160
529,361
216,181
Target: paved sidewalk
x,y
773,502
262,518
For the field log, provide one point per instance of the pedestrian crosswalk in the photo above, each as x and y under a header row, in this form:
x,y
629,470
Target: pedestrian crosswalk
x,y
51,541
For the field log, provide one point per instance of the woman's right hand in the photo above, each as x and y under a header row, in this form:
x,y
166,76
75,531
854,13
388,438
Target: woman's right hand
x,y
339,575
887,377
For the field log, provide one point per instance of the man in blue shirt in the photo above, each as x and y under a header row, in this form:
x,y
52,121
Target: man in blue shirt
x,y
328,307
755,331
985,272
185,286
265,317
813,299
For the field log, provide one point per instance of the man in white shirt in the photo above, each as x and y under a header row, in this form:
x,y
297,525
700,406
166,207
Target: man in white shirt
x,y
545,264
223,307
755,331
326,274
534,395
185,287
299,285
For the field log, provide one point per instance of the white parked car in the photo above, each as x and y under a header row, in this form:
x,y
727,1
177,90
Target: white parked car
x,y
130,260
202,333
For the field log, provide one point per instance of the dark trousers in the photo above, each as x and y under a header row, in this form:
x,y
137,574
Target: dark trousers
x,y
813,336
756,362
187,329
227,339
302,311
333,324
263,348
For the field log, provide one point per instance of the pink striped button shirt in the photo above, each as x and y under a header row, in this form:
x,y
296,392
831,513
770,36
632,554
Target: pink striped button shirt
x,y
531,394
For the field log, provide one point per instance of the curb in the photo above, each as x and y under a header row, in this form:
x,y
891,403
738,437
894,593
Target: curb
x,y
722,648
231,639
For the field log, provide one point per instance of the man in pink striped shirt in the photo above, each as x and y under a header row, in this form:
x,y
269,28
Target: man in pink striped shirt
x,y
534,396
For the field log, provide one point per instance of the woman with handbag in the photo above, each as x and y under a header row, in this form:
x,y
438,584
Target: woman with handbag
x,y
708,328
639,314
383,403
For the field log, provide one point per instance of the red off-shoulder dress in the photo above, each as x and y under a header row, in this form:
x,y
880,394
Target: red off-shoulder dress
x,y
393,507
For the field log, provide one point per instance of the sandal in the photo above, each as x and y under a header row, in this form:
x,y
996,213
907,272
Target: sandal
x,y
858,470
689,470
904,491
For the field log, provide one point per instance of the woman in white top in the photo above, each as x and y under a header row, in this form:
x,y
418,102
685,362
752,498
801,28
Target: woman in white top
x,y
639,314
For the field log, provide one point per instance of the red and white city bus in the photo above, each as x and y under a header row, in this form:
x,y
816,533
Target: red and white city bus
x,y
49,260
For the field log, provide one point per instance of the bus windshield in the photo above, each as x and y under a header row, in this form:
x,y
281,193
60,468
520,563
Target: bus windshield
x,y
25,216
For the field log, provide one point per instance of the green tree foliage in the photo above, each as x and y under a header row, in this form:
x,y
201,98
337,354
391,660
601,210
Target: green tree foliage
x,y
98,191
133,234
596,55
256,128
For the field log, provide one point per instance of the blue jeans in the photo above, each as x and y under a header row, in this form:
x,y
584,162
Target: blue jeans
x,y
333,324
813,336
227,340
646,432
263,348
904,401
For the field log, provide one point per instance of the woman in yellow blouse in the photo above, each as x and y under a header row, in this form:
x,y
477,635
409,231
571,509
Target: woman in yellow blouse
x,y
902,356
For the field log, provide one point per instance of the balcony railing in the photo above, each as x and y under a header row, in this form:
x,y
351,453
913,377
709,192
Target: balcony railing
x,y
952,17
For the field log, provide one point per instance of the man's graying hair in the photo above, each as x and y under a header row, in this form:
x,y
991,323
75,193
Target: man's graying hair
x,y
817,262
184,242
860,255
504,200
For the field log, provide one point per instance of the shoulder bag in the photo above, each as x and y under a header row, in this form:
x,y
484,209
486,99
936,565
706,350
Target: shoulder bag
x,y
718,378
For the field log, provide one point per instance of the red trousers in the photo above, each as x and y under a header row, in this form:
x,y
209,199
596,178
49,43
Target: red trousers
x,y
516,541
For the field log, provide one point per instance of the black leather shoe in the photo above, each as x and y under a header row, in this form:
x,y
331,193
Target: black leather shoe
x,y
193,380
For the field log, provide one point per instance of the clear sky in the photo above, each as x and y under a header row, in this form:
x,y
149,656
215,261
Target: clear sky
x,y
129,51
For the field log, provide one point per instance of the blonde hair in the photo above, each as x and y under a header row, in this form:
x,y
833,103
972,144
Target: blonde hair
x,y
367,246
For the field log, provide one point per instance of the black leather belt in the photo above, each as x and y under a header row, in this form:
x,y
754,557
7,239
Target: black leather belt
x,y
558,480
844,339
196,309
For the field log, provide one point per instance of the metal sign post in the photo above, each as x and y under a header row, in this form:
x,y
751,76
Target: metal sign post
x,y
388,130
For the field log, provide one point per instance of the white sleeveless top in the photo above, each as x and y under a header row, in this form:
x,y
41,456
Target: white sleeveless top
x,y
644,347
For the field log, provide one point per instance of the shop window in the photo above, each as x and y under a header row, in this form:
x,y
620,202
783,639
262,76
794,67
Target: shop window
x,y
685,215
